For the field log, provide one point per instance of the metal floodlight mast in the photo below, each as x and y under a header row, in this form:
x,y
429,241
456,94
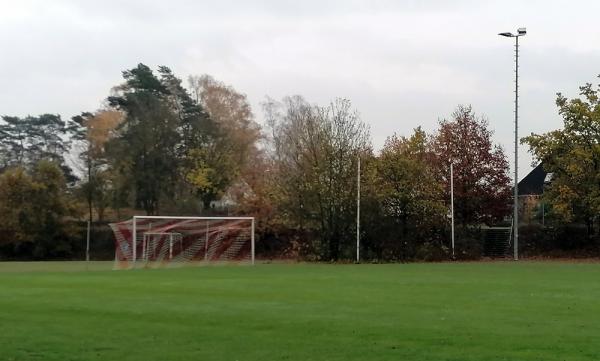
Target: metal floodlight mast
x,y
520,32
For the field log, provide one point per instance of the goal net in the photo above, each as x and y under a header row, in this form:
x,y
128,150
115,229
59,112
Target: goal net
x,y
163,241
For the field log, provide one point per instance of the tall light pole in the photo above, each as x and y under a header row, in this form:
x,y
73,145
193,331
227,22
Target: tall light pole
x,y
520,32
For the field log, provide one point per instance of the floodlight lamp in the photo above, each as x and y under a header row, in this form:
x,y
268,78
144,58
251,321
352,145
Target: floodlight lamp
x,y
522,31
508,35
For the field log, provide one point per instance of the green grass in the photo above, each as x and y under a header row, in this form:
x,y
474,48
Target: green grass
x,y
469,311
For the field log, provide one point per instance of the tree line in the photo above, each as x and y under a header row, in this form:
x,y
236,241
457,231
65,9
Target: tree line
x,y
160,145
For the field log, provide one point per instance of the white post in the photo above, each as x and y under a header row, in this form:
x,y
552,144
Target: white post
x,y
358,213
170,245
543,211
206,244
252,241
452,204
144,250
87,243
133,241
146,241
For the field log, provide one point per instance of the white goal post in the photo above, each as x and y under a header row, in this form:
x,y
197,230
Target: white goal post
x,y
171,240
151,240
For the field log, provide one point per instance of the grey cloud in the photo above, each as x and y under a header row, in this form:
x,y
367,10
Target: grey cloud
x,y
402,63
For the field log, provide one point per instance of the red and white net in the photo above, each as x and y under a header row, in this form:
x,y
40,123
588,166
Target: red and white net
x,y
166,241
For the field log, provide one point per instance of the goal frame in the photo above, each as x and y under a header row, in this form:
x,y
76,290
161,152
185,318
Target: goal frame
x,y
134,230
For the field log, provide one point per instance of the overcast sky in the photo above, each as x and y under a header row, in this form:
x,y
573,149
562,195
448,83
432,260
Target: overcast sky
x,y
401,63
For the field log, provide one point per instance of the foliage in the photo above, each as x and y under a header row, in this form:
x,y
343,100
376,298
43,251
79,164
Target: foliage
x,y
165,148
25,141
145,144
315,153
34,206
162,130
93,133
230,110
561,241
410,191
228,158
173,143
481,182
16,197
402,208
572,155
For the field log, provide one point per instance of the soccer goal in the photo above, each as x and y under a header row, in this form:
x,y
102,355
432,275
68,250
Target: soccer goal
x,y
163,241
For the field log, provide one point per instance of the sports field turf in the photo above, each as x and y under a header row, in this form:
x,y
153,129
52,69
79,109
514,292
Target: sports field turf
x,y
468,311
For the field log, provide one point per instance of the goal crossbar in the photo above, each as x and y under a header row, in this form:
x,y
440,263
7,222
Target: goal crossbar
x,y
194,218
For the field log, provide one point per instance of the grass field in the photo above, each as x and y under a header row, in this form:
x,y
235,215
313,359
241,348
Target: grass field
x,y
468,311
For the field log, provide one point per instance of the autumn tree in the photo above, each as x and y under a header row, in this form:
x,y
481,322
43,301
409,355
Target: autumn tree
x,y
481,181
93,132
410,192
572,155
230,155
315,150
34,206
169,144
16,192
